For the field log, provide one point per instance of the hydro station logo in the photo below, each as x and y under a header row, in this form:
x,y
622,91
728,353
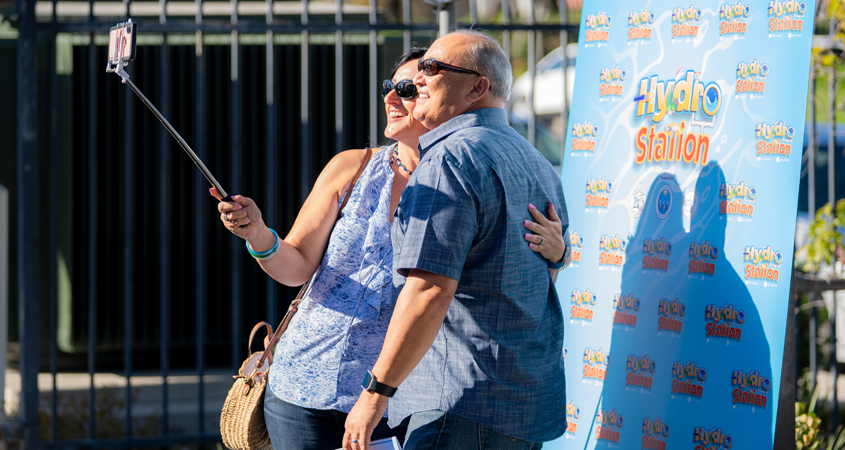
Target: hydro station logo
x,y
638,200
751,77
576,243
625,310
595,364
750,388
685,22
713,439
733,19
692,201
737,200
609,425
598,27
688,379
661,98
598,192
655,434
663,202
611,80
639,25
583,305
671,316
640,371
786,16
612,250
725,322
573,413
584,137
656,254
774,140
762,263
702,258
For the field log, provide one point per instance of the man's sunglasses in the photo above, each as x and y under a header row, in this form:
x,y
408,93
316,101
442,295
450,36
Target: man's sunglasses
x,y
431,67
405,89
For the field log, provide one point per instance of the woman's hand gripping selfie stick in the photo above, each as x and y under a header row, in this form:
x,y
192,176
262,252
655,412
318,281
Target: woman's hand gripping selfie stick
x,y
121,51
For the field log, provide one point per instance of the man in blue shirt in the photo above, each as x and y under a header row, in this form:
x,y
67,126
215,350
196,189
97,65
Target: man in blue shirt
x,y
475,343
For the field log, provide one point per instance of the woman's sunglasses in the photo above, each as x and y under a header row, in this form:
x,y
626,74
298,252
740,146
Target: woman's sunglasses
x,y
405,89
431,67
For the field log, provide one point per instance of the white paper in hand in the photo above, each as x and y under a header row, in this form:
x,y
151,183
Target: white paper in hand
x,y
384,444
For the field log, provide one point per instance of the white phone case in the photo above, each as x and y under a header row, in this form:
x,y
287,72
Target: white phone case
x,y
384,444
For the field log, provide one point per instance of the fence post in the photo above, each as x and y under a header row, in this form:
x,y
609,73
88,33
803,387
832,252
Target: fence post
x,y
4,293
831,199
447,18
811,210
27,217
834,365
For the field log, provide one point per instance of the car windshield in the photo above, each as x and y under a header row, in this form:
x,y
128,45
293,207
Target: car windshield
x,y
552,61
545,140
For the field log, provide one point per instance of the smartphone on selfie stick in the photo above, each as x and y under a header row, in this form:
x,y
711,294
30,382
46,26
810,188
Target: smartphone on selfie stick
x,y
121,51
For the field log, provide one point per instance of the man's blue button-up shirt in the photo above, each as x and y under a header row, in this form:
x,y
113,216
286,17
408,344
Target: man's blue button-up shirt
x,y
497,359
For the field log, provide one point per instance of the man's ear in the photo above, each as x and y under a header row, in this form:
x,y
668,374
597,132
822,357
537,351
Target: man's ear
x,y
479,90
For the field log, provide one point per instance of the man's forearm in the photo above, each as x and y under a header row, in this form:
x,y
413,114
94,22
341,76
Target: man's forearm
x,y
420,310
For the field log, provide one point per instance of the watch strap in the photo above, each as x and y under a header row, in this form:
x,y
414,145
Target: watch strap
x,y
555,265
558,265
371,384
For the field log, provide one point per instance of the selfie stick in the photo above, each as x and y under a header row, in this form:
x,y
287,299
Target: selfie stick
x,y
116,66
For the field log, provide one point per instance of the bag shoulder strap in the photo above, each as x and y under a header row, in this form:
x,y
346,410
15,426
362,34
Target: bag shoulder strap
x,y
294,305
368,153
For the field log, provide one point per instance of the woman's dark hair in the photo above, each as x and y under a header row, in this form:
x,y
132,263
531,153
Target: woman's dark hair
x,y
410,55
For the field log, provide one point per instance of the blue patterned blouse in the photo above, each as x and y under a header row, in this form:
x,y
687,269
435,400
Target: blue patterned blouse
x,y
337,334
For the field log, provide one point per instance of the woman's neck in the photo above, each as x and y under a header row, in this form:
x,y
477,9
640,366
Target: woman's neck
x,y
409,156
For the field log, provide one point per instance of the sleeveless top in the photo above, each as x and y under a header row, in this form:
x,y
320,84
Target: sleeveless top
x,y
338,332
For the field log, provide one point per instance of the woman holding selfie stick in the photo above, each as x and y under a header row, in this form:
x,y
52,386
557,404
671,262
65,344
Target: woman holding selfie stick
x,y
338,332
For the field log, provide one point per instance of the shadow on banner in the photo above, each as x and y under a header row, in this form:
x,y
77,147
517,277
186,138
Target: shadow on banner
x,y
707,374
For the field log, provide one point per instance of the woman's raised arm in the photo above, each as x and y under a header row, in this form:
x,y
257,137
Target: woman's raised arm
x,y
299,254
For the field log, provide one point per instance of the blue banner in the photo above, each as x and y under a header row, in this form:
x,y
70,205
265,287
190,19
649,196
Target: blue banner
x,y
681,173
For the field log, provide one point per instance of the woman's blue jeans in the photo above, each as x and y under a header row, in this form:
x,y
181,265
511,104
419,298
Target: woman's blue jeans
x,y
293,427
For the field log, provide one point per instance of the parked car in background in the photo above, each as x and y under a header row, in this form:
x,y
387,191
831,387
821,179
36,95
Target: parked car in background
x,y
548,101
548,84
545,139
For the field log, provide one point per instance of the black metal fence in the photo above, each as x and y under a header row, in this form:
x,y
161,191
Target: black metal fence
x,y
121,261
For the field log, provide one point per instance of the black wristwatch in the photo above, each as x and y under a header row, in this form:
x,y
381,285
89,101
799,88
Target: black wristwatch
x,y
371,384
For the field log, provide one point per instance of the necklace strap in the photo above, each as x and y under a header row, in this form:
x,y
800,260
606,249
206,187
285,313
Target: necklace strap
x,y
395,156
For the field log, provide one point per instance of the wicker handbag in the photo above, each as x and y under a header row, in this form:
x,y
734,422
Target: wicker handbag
x,y
242,423
242,419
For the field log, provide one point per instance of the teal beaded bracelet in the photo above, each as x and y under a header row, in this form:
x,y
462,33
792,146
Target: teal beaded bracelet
x,y
266,254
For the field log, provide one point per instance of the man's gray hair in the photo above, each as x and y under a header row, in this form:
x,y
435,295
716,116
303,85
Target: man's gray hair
x,y
487,58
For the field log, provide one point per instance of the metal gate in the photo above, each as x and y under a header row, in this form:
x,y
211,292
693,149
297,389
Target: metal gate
x,y
114,221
